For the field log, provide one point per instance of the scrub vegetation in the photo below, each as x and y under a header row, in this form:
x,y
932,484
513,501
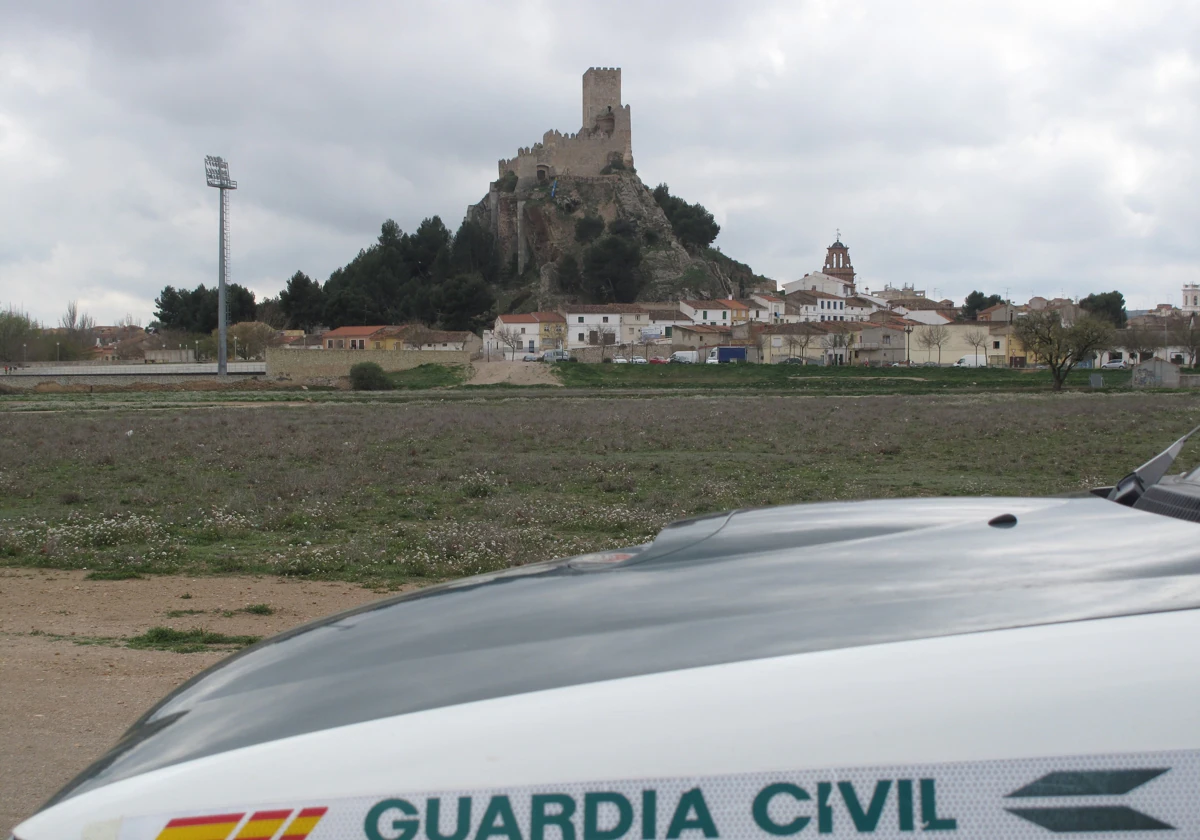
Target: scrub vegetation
x,y
397,492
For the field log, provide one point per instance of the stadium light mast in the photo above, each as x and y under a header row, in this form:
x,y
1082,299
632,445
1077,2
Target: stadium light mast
x,y
216,173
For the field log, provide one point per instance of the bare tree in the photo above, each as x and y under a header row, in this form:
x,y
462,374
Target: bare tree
x,y
270,311
835,341
1060,348
978,339
934,335
1185,334
1142,341
606,336
417,336
510,338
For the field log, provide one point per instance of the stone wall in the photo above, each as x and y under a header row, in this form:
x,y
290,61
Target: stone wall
x,y
297,364
82,380
606,134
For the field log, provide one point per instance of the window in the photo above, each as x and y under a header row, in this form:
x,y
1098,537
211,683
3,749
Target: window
x,y
995,345
329,344
581,334
522,331
668,332
605,319
724,315
887,339
581,319
705,315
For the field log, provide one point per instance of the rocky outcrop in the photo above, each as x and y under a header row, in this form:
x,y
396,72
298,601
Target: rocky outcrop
x,y
537,226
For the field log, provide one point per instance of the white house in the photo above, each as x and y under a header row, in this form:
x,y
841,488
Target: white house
x,y
767,308
659,324
714,313
592,325
859,308
816,306
818,282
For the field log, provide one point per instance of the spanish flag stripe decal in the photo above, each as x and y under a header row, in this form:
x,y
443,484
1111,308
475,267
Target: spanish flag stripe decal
x,y
217,827
305,822
262,825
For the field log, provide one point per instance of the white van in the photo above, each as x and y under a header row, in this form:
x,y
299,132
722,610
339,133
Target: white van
x,y
972,361
686,357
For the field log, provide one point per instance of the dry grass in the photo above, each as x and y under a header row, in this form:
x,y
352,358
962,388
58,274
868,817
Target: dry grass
x,y
391,492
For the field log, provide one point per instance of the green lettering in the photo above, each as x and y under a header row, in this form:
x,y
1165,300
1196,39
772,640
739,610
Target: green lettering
x,y
539,819
762,805
929,818
399,829
691,801
904,797
591,816
649,814
498,821
433,819
824,812
865,823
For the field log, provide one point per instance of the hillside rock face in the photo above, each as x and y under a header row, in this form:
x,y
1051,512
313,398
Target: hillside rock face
x,y
532,207
537,226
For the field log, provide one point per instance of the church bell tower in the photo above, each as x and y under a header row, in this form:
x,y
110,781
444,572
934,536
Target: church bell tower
x,y
837,263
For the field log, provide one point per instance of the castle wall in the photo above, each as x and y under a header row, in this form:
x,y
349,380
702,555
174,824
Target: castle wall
x,y
606,133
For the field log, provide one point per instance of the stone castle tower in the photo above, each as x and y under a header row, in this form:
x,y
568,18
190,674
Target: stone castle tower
x,y
604,141
837,263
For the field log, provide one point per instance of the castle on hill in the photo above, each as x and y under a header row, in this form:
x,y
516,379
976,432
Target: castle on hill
x,y
604,142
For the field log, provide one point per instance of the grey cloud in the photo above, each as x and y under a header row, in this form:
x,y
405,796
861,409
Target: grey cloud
x,y
957,146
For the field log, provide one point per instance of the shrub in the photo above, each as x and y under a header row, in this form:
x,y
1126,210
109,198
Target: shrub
x,y
588,228
507,182
622,227
369,376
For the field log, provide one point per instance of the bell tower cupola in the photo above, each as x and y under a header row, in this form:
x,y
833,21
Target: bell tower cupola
x,y
837,262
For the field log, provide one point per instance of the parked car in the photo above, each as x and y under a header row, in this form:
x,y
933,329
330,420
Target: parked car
x,y
531,357
557,356
972,361
685,357
620,360
637,360
1115,364
744,670
792,360
657,361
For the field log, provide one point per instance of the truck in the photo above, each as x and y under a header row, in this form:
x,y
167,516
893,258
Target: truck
x,y
685,357
972,361
720,355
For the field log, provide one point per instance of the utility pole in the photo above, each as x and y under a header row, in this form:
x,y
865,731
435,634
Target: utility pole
x,y
216,172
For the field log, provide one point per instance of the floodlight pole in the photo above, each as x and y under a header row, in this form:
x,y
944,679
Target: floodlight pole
x,y
216,172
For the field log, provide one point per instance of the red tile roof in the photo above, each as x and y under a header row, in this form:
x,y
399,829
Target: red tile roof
x,y
533,318
354,332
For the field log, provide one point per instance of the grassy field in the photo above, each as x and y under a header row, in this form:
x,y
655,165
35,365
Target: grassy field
x,y
814,379
388,492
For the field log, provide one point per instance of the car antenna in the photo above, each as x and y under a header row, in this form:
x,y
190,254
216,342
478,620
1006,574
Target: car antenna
x,y
1130,488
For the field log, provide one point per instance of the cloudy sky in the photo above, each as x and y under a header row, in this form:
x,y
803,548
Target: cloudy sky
x,y
1024,146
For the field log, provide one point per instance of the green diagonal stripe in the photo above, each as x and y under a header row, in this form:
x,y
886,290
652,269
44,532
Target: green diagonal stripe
x,y
1093,818
1088,782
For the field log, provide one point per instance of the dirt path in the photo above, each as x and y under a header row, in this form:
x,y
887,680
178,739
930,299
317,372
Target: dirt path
x,y
68,688
512,373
